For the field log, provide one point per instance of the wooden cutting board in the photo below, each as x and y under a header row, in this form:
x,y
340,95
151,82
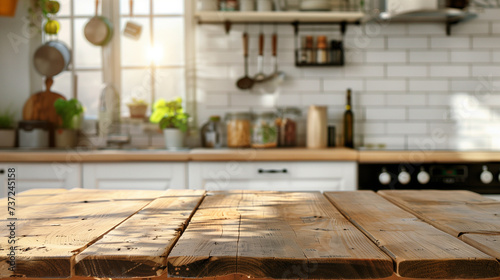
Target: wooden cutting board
x,y
40,106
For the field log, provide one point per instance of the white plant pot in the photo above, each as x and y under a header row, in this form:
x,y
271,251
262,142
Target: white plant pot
x,y
65,138
174,138
7,138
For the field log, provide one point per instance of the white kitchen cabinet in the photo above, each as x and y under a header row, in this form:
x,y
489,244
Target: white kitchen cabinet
x,y
41,175
278,176
135,176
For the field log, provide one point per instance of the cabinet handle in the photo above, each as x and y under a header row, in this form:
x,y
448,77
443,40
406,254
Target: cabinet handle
x,y
2,171
273,171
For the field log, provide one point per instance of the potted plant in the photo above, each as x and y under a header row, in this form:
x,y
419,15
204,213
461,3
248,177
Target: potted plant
x,y
70,112
7,131
137,108
172,120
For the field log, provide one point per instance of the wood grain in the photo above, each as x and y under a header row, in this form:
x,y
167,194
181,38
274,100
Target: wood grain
x,y
274,235
473,218
49,234
418,249
139,246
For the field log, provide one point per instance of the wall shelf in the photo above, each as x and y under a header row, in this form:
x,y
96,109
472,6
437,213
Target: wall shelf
x,y
229,18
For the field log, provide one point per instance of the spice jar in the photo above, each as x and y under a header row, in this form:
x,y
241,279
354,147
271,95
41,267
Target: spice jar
x,y
321,50
307,51
287,127
211,133
238,130
264,131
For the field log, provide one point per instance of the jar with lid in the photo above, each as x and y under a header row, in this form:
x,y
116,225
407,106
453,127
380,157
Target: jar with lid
x,y
287,126
238,126
264,131
211,133
321,50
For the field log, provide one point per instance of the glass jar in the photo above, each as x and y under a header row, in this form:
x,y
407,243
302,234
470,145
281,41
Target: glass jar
x,y
287,126
211,133
264,131
238,130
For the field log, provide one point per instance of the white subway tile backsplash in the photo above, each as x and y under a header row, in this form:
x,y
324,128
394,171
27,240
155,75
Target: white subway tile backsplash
x,y
406,71
343,84
426,29
363,71
485,71
449,71
406,99
450,42
386,85
386,56
407,128
428,56
388,114
486,42
428,114
471,28
428,85
413,86
470,56
407,43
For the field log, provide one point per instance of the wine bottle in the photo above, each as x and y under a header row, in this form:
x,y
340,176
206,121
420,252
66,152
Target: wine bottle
x,y
348,123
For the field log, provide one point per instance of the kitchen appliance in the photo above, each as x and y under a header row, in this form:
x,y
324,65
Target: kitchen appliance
x,y
34,134
483,178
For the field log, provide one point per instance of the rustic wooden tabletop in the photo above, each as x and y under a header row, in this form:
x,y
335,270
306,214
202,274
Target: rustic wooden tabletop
x,y
236,235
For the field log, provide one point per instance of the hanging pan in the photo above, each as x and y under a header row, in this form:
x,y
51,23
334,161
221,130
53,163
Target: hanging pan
x,y
99,29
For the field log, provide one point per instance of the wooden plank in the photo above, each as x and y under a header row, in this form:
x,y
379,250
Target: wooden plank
x,y
418,249
473,218
139,246
51,233
274,235
33,196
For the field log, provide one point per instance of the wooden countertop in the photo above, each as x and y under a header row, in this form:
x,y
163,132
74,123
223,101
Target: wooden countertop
x,y
180,234
75,156
281,154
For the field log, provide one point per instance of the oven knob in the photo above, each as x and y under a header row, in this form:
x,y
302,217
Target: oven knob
x,y
384,178
423,177
404,177
486,176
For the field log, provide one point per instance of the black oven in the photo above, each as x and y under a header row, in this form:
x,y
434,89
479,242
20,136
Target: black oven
x,y
483,178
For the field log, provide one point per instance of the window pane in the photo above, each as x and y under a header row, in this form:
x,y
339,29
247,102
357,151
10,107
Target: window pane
x,y
169,37
141,7
135,53
62,84
168,7
64,10
136,84
85,54
89,90
65,31
170,83
85,7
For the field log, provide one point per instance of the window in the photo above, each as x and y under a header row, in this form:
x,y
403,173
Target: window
x,y
149,68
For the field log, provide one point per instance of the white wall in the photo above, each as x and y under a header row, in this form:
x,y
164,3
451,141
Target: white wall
x,y
15,60
414,87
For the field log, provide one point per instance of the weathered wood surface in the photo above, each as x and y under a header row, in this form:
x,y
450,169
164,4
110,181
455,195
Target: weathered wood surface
x,y
50,233
139,246
31,197
418,249
274,235
473,218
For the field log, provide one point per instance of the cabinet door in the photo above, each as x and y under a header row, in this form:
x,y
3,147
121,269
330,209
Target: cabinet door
x,y
278,176
134,176
41,175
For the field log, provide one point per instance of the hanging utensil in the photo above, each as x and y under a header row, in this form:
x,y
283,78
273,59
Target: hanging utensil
x,y
260,76
51,58
276,79
132,29
40,106
245,82
99,29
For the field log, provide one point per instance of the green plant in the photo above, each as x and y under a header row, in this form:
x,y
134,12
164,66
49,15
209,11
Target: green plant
x,y
69,111
170,114
6,119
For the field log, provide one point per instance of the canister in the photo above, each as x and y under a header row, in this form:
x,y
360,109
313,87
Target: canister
x,y
34,134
